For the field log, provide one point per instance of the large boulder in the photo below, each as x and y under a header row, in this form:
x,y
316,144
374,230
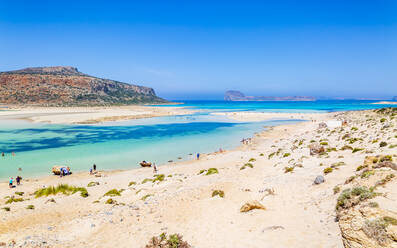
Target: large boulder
x,y
316,149
365,227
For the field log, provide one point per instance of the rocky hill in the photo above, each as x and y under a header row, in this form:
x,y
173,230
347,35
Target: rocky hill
x,y
66,86
234,95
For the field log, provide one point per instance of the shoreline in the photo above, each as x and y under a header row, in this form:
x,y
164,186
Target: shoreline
x,y
255,136
250,116
386,103
183,199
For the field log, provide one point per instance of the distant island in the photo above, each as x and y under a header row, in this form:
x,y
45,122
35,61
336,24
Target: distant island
x,y
66,86
234,95
394,98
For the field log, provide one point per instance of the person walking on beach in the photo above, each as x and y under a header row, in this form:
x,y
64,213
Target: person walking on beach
x,y
94,166
198,156
2,154
18,179
154,168
11,182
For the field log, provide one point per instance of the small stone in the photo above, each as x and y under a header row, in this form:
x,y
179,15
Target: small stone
x,y
319,179
252,205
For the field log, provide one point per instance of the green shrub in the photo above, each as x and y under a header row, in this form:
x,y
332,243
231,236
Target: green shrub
x,y
336,189
61,188
357,150
271,155
173,241
324,143
390,220
382,120
354,129
376,229
158,178
351,197
346,147
92,184
131,183
247,165
110,201
373,204
286,155
7,209
147,180
331,149
146,196
211,171
252,160
221,193
30,207
113,192
13,199
261,154
360,167
288,169
328,170
382,144
337,164
384,180
386,158
19,193
367,173
353,140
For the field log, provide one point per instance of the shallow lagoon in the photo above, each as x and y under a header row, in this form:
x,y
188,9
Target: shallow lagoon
x,y
118,145
122,145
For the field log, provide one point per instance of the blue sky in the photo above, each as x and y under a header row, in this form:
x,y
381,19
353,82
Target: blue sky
x,y
199,49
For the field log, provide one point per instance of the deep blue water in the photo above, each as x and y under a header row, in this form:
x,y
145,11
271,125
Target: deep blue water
x,y
283,106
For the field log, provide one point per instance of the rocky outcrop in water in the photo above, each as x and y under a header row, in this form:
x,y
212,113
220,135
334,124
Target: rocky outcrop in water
x,y
66,86
234,95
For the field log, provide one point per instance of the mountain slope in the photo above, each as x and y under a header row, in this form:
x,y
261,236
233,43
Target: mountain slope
x,y
66,86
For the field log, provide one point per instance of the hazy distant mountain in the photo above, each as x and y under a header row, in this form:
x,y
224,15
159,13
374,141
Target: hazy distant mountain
x,y
65,85
234,95
395,98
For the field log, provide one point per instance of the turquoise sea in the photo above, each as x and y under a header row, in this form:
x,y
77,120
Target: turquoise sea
x,y
122,145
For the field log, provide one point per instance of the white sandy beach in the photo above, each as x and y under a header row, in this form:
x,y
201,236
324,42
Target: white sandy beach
x,y
87,115
298,213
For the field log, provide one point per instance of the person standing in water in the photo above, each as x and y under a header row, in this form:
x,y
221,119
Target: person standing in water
x,y
11,182
18,179
94,167
198,156
154,168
